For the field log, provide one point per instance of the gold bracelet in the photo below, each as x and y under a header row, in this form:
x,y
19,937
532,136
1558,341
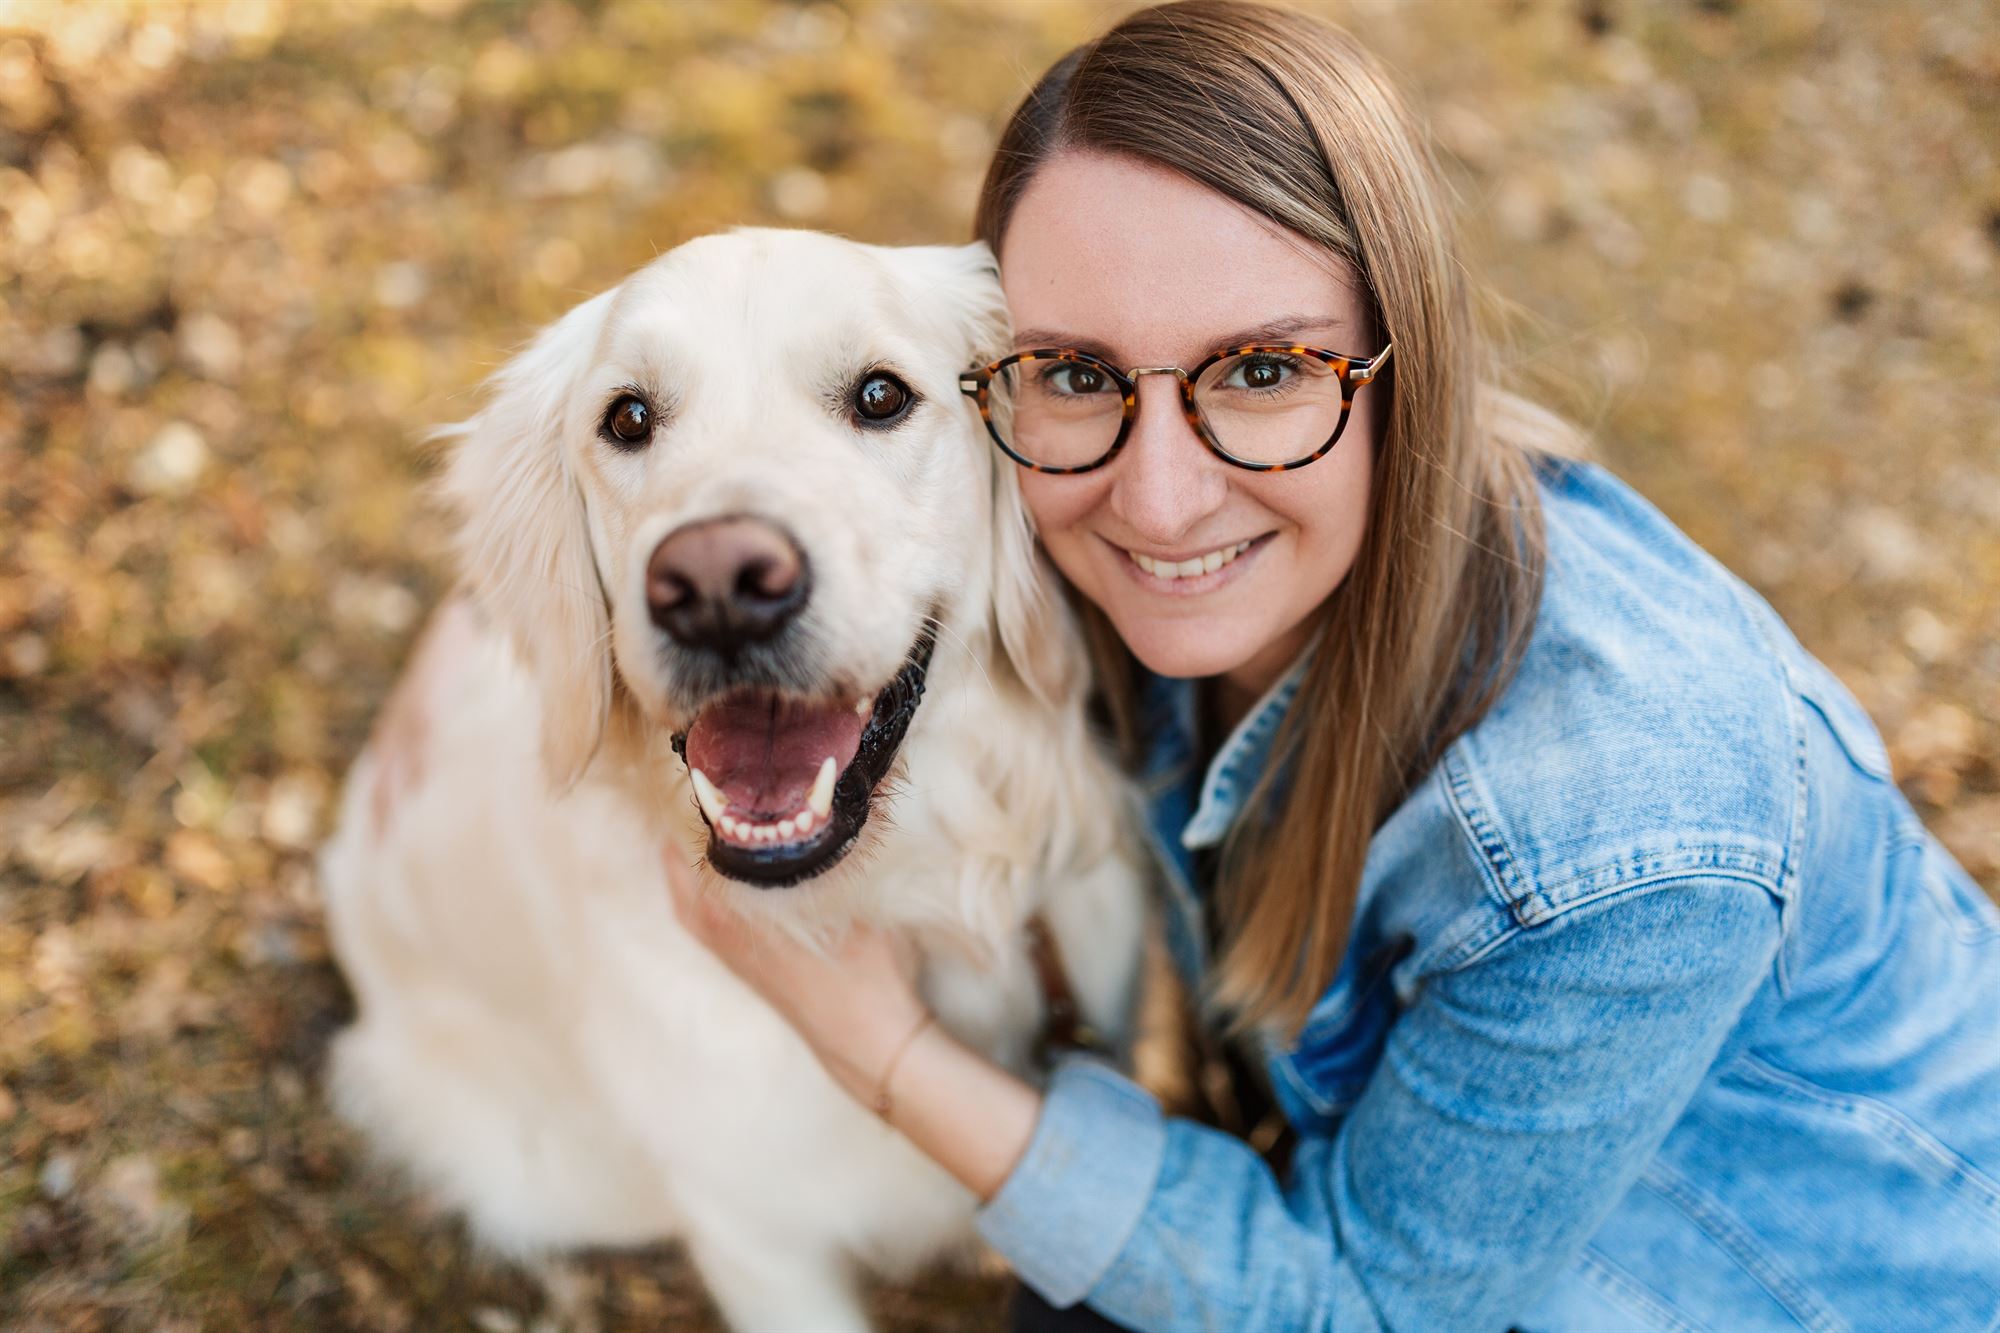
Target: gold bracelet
x,y
882,1102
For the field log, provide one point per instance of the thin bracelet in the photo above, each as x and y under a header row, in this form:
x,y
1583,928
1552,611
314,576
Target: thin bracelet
x,y
882,1102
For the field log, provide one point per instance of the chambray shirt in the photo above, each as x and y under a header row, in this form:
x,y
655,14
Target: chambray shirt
x,y
1661,1010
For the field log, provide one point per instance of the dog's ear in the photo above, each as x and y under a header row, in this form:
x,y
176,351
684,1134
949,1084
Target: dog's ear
x,y
959,287
523,540
1031,619
958,292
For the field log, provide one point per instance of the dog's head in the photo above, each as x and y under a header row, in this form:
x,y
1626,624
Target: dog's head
x,y
741,494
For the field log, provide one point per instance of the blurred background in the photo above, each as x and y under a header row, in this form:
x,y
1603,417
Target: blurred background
x,y
252,251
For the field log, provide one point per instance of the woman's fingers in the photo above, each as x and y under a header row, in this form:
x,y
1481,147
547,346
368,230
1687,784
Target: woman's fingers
x,y
701,913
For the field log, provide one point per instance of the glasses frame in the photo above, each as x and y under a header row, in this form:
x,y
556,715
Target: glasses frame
x,y
1352,371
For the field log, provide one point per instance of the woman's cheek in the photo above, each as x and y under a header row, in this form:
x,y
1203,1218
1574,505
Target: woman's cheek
x,y
1060,508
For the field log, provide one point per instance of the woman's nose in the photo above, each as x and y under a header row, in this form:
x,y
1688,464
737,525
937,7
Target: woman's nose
x,y
1166,480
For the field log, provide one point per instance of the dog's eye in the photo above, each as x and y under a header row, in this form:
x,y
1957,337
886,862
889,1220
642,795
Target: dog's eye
x,y
629,423
881,398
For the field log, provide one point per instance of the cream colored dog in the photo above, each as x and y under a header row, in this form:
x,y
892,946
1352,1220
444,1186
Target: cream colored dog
x,y
739,574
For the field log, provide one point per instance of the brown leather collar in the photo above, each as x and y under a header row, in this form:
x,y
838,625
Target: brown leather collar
x,y
1063,1025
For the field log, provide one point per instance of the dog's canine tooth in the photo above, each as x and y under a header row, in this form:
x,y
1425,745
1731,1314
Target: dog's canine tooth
x,y
711,800
820,802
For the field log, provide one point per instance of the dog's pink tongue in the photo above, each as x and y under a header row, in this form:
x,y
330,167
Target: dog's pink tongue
x,y
762,753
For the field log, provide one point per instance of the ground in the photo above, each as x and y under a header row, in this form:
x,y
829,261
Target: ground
x,y
252,252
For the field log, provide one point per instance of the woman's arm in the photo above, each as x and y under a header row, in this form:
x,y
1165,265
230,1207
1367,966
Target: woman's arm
x,y
1516,1102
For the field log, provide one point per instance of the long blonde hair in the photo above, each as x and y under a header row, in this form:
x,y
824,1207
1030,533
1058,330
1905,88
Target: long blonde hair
x,y
1292,118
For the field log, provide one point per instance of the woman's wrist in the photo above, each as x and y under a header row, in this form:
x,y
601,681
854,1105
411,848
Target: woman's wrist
x,y
884,1099
860,1057
961,1110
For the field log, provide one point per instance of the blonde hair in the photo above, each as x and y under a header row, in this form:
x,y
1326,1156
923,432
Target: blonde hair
x,y
1292,118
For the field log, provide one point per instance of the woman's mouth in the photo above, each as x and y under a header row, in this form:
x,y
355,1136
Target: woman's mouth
x,y
1192,574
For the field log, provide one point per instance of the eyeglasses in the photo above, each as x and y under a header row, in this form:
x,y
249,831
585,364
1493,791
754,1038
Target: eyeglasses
x,y
1269,408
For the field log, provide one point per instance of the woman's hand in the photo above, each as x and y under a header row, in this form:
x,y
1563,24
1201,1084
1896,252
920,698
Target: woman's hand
x,y
858,1008
854,1006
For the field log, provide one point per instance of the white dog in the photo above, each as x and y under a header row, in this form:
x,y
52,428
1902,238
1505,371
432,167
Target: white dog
x,y
732,516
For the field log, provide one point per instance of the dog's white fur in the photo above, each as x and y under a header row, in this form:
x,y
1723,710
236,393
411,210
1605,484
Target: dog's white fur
x,y
537,1038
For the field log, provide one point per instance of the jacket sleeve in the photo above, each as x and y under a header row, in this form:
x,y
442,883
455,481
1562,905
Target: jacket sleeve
x,y
1516,1101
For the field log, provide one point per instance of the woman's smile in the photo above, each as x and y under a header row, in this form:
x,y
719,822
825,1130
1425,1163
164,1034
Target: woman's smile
x,y
1176,575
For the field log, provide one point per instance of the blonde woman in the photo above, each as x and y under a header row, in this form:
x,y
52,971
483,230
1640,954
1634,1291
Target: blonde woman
x,y
1562,901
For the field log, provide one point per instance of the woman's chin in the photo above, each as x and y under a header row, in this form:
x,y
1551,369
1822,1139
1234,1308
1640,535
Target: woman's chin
x,y
1184,648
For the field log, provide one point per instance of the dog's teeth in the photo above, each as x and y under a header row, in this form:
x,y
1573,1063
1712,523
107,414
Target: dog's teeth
x,y
728,826
863,706
786,828
803,820
820,802
711,800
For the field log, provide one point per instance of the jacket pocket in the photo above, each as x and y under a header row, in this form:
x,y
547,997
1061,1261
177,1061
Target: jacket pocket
x,y
1845,718
1847,1209
1967,910
1920,1152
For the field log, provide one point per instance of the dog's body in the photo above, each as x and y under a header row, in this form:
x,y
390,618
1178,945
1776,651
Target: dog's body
x,y
538,1040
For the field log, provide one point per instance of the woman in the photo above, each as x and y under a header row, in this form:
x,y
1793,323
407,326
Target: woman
x,y
1565,902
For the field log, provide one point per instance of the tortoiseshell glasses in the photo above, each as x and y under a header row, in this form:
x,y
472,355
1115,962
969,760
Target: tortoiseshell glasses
x,y
1267,407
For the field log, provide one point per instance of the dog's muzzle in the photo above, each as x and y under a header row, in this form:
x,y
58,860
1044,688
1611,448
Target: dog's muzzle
x,y
785,784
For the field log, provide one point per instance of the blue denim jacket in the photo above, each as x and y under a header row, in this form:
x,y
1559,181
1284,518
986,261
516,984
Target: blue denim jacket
x,y
1661,1011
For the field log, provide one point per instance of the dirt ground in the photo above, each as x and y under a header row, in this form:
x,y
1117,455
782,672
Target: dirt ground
x,y
253,251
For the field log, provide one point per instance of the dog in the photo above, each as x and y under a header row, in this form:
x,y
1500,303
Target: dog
x,y
738,576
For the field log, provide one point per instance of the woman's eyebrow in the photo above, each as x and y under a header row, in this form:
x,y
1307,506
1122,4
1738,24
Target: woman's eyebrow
x,y
1275,330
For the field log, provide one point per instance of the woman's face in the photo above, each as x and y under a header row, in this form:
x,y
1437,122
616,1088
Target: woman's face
x,y
1143,267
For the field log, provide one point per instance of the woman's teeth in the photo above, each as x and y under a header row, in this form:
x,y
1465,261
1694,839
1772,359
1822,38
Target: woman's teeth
x,y
1187,569
751,832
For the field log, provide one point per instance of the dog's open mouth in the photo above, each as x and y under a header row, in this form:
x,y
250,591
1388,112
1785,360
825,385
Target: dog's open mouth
x,y
784,782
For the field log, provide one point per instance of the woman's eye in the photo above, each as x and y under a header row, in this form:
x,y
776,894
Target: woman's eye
x,y
1261,372
881,398
629,423
1078,380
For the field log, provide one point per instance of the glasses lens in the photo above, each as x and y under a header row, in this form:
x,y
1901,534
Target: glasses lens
x,y
1270,407
1056,413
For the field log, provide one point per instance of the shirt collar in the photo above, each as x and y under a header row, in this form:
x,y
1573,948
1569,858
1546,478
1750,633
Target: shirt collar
x,y
1172,744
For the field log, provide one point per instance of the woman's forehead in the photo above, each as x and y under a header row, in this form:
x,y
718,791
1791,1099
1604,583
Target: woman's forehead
x,y
1144,263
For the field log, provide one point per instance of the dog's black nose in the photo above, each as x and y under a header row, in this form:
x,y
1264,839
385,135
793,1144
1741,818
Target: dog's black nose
x,y
725,582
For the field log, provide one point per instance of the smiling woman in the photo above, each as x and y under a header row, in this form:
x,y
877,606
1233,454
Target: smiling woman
x,y
1294,535
1559,899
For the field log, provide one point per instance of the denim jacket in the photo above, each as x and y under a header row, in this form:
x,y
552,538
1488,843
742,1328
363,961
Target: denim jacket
x,y
1661,1010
